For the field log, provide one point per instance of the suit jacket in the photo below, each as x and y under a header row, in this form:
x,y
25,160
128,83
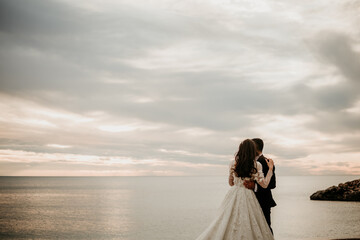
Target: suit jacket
x,y
264,195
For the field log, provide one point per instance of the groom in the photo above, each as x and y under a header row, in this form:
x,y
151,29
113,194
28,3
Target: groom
x,y
263,195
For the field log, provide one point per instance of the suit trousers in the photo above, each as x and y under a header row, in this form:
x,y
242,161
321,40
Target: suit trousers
x,y
267,212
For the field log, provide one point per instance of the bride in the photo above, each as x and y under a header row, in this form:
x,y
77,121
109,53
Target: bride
x,y
240,215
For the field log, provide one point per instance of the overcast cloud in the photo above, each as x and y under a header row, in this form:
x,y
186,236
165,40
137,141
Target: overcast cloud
x,y
172,87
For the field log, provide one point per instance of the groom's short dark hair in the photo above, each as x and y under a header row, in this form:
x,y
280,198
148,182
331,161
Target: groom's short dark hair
x,y
259,144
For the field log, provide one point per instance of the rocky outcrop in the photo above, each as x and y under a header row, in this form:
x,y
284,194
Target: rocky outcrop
x,y
349,191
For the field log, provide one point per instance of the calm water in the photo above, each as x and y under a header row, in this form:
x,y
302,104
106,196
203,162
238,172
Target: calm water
x,y
157,208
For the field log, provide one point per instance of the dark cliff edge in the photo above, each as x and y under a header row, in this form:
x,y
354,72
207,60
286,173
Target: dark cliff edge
x,y
349,191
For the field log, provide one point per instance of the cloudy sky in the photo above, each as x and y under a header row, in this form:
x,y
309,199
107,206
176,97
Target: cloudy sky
x,y
168,87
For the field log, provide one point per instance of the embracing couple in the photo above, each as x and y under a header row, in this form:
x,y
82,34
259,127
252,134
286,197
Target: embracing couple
x,y
245,211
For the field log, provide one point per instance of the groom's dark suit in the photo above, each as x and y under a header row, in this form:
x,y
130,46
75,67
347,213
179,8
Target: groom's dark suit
x,y
264,195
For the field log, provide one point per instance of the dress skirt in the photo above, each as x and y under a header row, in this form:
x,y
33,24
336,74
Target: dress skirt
x,y
239,218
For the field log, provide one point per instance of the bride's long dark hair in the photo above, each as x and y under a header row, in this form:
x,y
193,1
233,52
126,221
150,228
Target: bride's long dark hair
x,y
244,159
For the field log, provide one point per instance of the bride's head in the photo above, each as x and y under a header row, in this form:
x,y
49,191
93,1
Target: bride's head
x,y
244,159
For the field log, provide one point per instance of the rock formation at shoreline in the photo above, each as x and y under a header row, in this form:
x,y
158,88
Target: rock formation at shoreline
x,y
349,191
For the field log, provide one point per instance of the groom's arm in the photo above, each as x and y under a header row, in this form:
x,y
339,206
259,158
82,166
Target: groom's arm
x,y
249,184
272,183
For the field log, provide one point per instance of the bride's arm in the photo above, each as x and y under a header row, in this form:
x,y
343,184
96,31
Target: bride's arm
x,y
260,179
231,175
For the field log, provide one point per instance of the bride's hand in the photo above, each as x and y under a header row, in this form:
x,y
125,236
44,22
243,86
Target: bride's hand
x,y
270,163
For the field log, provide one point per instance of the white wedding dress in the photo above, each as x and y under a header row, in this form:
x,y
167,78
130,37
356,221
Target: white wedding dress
x,y
240,215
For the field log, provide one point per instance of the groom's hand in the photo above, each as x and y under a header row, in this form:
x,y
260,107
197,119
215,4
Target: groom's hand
x,y
249,184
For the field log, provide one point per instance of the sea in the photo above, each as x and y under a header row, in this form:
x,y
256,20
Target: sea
x,y
160,208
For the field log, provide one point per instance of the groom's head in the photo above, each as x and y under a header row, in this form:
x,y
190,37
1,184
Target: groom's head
x,y
259,145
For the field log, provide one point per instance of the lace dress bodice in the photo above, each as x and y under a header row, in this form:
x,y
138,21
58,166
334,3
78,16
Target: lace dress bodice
x,y
239,181
258,176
